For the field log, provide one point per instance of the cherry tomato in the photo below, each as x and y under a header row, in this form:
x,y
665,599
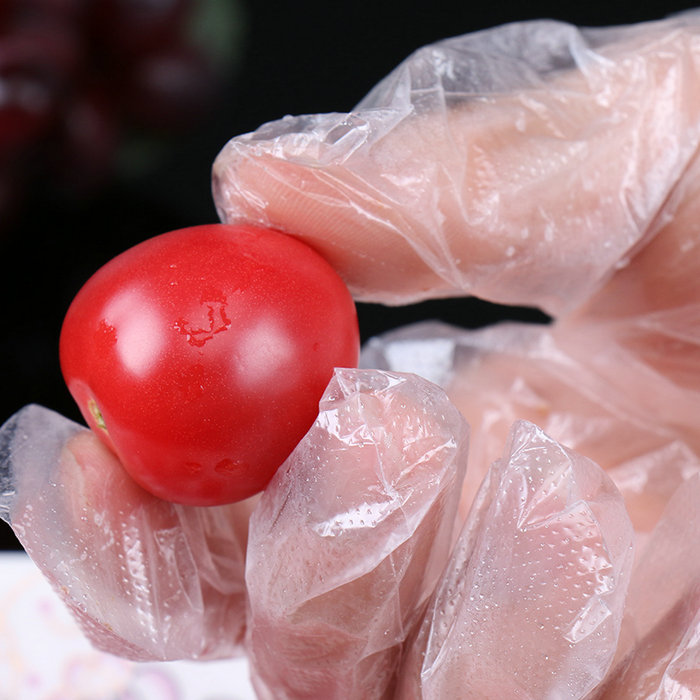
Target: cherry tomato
x,y
199,356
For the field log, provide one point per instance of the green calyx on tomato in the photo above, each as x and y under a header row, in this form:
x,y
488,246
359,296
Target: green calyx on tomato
x,y
199,356
96,414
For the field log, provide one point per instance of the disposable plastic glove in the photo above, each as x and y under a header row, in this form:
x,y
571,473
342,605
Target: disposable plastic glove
x,y
530,164
522,164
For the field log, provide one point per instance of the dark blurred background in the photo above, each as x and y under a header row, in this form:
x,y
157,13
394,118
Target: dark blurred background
x,y
112,111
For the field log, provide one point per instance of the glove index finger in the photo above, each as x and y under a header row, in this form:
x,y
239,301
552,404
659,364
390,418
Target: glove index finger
x,y
520,164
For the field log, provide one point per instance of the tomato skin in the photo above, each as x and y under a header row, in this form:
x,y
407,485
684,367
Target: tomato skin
x,y
199,356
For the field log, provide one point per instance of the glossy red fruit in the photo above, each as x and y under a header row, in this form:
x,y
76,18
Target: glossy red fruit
x,y
199,356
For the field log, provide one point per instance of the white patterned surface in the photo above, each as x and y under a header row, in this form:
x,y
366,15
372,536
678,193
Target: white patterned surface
x,y
43,655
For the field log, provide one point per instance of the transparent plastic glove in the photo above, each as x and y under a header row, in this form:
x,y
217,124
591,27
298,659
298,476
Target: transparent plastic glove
x,y
659,655
350,537
345,548
531,602
589,390
146,579
580,383
522,164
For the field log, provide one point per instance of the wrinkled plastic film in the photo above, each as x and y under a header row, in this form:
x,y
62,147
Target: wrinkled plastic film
x,y
301,505
351,536
531,602
593,390
658,654
583,387
146,579
482,164
17,448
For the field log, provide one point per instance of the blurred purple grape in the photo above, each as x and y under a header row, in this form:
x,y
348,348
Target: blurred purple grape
x,y
79,77
170,88
29,90
87,140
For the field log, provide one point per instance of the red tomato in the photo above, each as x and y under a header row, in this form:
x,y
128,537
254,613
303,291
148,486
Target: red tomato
x,y
199,356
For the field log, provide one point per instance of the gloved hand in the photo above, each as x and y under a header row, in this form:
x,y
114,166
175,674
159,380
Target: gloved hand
x,y
532,164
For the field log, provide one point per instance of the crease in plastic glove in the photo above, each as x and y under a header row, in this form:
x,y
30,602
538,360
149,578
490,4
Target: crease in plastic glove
x,y
659,656
145,579
531,602
585,386
481,165
348,540
648,483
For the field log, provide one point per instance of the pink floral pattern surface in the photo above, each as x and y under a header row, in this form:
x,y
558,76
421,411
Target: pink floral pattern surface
x,y
44,656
